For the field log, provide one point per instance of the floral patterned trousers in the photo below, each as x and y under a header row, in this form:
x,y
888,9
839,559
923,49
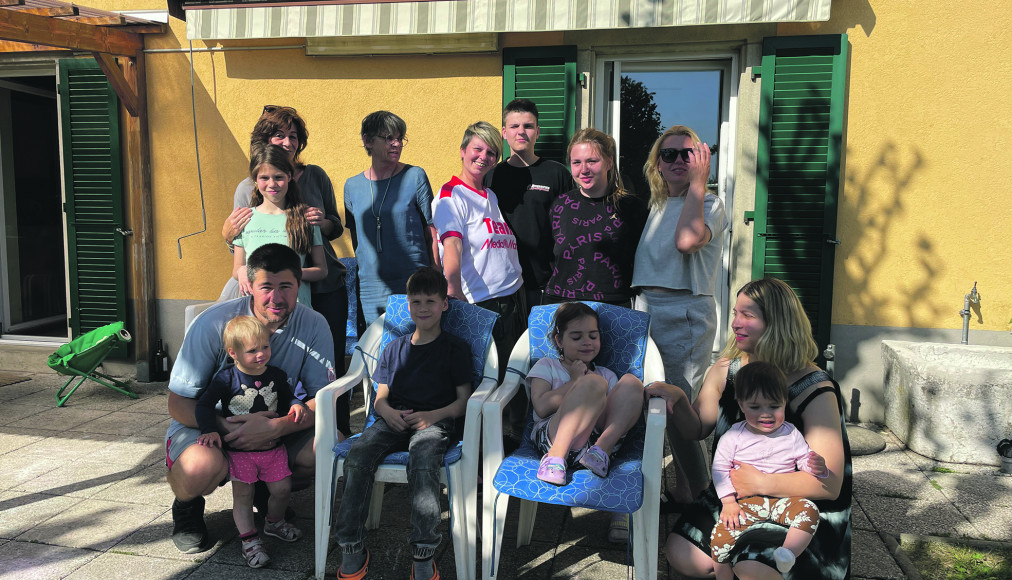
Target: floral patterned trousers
x,y
792,512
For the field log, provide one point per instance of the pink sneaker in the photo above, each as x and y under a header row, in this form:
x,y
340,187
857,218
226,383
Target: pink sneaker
x,y
552,470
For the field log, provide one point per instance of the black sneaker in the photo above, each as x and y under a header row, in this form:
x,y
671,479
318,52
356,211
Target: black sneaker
x,y
189,533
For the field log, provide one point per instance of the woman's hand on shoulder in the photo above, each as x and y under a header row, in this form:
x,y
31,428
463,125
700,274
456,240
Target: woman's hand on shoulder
x,y
235,223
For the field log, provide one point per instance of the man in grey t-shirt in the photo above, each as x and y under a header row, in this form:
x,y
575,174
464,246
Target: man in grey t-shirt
x,y
301,344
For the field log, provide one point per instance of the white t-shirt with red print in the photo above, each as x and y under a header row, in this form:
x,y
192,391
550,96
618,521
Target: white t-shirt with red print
x,y
489,266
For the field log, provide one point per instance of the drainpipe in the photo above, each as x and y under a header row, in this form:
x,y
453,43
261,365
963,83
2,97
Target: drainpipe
x,y
971,298
830,355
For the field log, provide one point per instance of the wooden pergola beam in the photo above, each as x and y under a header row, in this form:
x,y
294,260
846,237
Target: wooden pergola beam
x,y
12,2
20,27
69,10
8,46
127,95
99,20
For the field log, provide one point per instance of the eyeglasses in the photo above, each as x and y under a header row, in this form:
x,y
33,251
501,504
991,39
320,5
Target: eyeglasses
x,y
272,108
390,139
669,155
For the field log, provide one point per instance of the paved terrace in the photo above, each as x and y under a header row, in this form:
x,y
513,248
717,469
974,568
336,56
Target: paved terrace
x,y
83,495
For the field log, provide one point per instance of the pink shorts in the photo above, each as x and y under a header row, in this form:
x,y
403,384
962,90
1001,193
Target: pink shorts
x,y
252,466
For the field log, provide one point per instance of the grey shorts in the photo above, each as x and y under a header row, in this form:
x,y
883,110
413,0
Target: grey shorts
x,y
183,438
543,442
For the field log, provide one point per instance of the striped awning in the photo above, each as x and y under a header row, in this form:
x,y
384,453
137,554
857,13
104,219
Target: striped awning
x,y
487,16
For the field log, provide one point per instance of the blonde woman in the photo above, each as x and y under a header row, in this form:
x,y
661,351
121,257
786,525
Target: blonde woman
x,y
769,325
677,262
596,227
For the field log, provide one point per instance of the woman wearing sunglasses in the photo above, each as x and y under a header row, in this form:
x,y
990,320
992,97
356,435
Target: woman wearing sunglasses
x,y
676,268
282,126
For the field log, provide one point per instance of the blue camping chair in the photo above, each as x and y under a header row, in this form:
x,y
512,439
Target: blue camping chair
x,y
471,323
633,482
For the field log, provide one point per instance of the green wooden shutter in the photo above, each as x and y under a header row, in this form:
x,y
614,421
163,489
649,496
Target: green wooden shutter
x,y
546,76
89,117
798,168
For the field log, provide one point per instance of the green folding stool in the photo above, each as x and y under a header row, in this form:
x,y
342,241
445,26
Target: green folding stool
x,y
81,356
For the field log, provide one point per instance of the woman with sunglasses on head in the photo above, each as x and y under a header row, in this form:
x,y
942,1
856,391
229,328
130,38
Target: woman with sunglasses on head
x,y
388,210
282,126
596,227
676,268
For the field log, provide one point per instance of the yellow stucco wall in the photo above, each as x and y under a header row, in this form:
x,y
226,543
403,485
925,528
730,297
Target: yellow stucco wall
x,y
438,96
926,208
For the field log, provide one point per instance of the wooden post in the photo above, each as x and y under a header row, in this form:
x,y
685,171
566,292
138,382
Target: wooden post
x,y
137,165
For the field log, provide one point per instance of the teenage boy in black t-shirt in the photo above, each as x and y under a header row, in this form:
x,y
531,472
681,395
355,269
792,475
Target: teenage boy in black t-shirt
x,y
424,382
526,186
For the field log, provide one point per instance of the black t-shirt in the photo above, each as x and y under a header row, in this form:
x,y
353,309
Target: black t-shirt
x,y
424,377
525,197
595,246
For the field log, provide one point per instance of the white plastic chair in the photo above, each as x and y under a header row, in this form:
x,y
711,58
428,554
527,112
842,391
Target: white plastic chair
x,y
472,324
633,482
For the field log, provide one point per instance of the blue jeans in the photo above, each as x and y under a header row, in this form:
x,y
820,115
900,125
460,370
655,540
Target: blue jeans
x,y
426,449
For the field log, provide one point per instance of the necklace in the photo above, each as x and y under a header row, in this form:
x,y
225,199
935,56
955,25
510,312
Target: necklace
x,y
372,207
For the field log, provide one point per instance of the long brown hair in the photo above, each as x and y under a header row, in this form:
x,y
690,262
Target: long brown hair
x,y
300,233
605,145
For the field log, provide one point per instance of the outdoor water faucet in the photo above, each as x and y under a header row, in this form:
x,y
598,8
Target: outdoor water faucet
x,y
972,298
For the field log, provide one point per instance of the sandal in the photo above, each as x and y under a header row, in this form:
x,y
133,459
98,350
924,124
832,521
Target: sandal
x,y
253,551
596,460
552,470
358,574
282,530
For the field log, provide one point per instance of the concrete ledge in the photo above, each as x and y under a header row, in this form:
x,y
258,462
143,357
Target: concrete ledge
x,y
948,401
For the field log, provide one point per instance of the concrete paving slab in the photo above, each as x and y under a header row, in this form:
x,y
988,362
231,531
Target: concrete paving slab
x,y
121,423
82,478
586,528
155,538
994,522
31,561
17,470
928,518
19,390
21,511
13,439
859,519
60,419
68,446
871,558
212,571
156,403
530,562
118,565
132,450
157,429
11,412
295,556
573,561
900,484
977,489
93,524
146,486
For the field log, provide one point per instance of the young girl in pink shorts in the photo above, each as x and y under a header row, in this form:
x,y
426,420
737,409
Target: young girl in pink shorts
x,y
252,386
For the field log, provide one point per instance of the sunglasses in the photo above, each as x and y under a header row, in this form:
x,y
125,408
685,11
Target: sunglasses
x,y
669,155
272,108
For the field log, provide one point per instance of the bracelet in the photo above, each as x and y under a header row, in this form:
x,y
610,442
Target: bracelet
x,y
231,247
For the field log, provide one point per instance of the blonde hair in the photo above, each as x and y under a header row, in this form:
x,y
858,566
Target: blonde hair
x,y
244,330
487,133
658,187
787,341
300,232
605,146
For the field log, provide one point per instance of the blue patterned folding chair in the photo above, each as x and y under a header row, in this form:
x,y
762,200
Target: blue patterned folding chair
x,y
471,323
633,482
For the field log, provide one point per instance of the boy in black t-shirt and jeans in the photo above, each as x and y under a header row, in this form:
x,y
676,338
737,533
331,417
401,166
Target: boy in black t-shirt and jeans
x,y
424,382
